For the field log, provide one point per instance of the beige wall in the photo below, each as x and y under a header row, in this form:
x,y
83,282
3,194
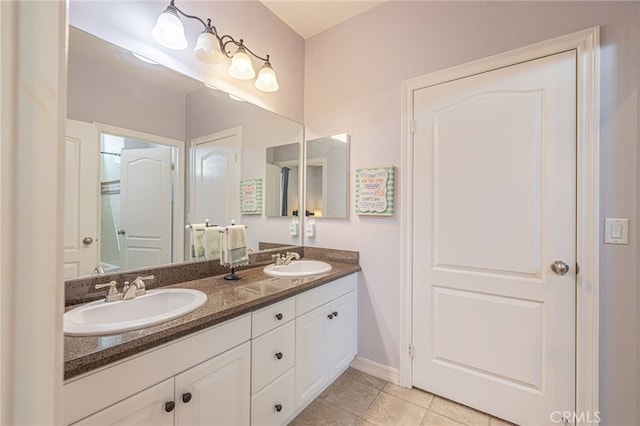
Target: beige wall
x,y
353,75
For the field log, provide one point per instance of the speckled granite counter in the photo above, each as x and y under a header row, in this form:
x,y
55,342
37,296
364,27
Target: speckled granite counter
x,y
226,300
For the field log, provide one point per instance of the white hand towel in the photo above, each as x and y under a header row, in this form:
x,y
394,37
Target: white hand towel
x,y
233,246
197,240
212,242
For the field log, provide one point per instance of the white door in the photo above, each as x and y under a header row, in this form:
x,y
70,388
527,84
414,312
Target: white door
x,y
82,177
146,206
215,177
273,176
216,392
494,207
312,354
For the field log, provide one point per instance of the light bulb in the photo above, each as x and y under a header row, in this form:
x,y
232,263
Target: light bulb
x,y
267,80
241,66
169,30
207,48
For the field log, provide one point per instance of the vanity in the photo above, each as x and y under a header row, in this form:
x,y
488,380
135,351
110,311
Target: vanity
x,y
257,352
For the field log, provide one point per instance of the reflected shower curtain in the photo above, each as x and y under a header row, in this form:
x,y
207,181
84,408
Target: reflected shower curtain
x,y
284,185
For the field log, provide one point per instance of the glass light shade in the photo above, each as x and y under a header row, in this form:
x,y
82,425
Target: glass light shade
x,y
267,80
241,67
207,48
169,30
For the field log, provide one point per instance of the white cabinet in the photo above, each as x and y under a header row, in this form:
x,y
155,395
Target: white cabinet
x,y
212,366
272,360
144,408
325,337
215,392
260,369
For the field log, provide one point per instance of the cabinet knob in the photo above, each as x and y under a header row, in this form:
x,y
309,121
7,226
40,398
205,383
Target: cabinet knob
x,y
279,355
278,407
279,317
169,406
186,397
335,314
330,316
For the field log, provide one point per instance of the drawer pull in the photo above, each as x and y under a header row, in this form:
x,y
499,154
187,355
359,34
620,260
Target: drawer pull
x,y
335,314
279,317
279,355
186,397
278,407
330,316
169,406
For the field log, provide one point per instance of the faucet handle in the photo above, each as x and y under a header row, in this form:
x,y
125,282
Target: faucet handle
x,y
277,258
140,286
113,294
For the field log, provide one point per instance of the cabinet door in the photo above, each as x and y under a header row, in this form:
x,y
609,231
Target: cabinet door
x,y
312,360
144,408
216,392
342,343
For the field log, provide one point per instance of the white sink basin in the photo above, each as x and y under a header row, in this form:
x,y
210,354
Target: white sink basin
x,y
155,307
298,269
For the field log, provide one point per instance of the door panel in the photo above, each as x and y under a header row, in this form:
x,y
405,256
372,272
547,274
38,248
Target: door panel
x,y
146,192
216,178
494,206
81,198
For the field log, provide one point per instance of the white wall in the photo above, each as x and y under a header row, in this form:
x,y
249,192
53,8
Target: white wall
x,y
353,75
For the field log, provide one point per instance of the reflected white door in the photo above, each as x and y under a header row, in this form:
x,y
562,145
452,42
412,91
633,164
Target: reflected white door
x,y
82,179
273,176
216,177
146,206
494,206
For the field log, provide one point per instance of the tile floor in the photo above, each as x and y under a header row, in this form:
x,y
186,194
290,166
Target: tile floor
x,y
359,399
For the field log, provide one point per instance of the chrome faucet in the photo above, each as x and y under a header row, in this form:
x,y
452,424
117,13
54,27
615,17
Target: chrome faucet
x,y
289,257
136,288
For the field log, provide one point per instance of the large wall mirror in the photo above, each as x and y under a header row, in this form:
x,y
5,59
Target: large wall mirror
x,y
327,170
150,151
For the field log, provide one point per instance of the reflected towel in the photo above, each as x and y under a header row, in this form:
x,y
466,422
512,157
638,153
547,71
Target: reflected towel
x,y
233,246
197,240
212,238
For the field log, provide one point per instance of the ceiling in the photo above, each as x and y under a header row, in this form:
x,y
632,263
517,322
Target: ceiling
x,y
310,17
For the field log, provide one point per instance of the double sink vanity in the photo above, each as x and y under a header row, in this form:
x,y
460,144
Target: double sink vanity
x,y
256,351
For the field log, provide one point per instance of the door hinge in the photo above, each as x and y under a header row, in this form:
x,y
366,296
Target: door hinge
x,y
173,166
411,351
412,126
577,269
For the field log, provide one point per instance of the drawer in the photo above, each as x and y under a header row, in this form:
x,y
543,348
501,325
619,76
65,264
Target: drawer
x,y
311,299
277,395
272,316
271,355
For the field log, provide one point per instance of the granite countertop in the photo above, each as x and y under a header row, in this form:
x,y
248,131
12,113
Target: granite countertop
x,y
226,300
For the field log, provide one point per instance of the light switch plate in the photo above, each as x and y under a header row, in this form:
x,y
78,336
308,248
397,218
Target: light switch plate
x,y
616,231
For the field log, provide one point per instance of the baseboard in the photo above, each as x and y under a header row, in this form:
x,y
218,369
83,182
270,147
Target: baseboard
x,y
384,372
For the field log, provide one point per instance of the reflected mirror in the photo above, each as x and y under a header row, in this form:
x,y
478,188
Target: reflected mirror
x,y
282,175
158,138
327,174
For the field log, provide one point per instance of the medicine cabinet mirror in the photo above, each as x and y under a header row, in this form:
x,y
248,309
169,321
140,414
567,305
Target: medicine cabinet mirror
x,y
327,176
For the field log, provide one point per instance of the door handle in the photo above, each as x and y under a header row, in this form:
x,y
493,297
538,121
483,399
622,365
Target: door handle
x,y
559,267
121,232
87,241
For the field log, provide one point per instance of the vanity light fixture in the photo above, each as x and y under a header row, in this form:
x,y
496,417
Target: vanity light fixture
x,y
211,48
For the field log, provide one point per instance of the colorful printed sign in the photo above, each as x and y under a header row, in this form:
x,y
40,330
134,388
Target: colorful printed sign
x,y
374,191
251,196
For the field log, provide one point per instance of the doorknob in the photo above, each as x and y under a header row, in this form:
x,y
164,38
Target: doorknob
x,y
559,267
87,241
